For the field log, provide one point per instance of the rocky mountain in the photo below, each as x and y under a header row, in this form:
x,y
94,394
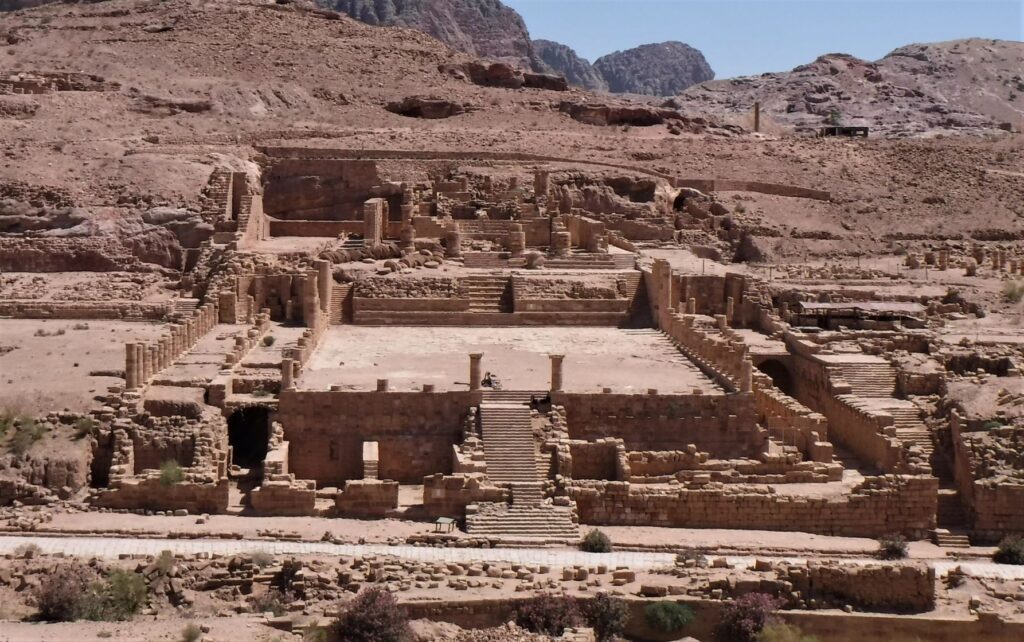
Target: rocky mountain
x,y
961,85
564,61
663,69
484,28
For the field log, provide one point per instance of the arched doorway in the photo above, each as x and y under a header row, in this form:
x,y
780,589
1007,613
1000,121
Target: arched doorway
x,y
248,433
779,374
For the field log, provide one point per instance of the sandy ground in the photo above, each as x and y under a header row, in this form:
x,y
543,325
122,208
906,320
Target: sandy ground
x,y
46,373
627,361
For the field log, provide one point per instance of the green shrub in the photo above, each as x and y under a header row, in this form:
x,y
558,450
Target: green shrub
x,y
548,614
125,595
1010,551
164,562
699,559
27,431
779,632
668,617
83,427
171,473
892,547
60,594
992,424
745,618
269,339
608,616
262,559
28,550
373,616
1013,291
596,542
273,601
191,633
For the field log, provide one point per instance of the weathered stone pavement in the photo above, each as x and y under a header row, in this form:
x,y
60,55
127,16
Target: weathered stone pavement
x,y
114,547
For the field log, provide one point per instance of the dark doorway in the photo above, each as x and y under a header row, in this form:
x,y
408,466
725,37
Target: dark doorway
x,y
248,433
779,374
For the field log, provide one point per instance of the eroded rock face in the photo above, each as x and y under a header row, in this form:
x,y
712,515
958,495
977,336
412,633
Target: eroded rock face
x,y
484,28
503,75
663,69
563,60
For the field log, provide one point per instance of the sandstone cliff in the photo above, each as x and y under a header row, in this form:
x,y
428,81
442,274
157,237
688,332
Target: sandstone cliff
x,y
661,69
564,61
484,28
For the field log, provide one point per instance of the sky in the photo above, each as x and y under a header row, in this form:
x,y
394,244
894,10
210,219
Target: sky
x,y
747,37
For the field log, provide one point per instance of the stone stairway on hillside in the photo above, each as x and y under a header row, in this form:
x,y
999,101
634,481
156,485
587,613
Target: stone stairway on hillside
x,y
527,517
911,430
869,379
489,293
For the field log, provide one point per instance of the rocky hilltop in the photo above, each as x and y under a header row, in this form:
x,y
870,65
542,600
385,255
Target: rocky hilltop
x,y
484,28
661,69
564,61
967,85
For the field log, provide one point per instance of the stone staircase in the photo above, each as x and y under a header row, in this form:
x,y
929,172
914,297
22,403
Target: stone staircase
x,y
489,293
184,307
509,448
336,307
944,538
869,379
353,244
486,260
911,430
632,280
527,517
583,261
624,261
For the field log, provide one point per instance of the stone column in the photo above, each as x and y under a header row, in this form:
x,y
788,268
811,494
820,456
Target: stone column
x,y
373,215
131,375
517,240
287,374
722,322
747,376
475,377
561,243
453,244
228,307
407,238
154,358
147,363
556,371
324,281
730,308
541,184
691,306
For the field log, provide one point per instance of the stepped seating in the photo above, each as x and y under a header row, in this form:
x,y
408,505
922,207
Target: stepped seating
x,y
583,261
184,307
869,379
624,261
486,260
539,521
489,294
911,430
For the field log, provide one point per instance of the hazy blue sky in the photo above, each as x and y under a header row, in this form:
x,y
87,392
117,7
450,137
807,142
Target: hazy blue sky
x,y
743,37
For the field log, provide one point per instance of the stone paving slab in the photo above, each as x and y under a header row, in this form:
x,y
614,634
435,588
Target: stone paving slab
x,y
114,547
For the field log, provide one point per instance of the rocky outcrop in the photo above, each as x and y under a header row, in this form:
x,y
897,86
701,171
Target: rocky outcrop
x,y
965,85
503,75
484,28
564,61
663,69
426,107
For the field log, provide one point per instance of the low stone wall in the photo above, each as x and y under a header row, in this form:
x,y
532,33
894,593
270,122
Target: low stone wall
x,y
327,229
903,588
131,310
284,497
367,498
148,493
361,305
595,460
448,495
723,425
878,506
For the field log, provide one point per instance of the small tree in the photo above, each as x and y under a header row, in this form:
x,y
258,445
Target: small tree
x,y
171,473
1010,551
596,542
373,616
125,595
892,547
668,617
191,633
608,616
745,618
549,614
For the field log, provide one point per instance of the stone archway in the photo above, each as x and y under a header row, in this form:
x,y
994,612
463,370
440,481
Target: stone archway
x,y
248,435
779,374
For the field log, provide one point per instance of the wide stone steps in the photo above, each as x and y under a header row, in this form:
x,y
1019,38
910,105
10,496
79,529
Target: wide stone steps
x,y
509,447
337,304
946,539
870,379
544,521
488,294
185,306
911,430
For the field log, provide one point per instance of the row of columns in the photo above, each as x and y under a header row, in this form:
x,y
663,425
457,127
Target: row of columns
x,y
143,360
476,378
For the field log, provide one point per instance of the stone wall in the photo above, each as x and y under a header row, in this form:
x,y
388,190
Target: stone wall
x,y
878,506
283,495
128,310
904,588
324,189
367,499
723,425
147,492
448,495
415,432
595,460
